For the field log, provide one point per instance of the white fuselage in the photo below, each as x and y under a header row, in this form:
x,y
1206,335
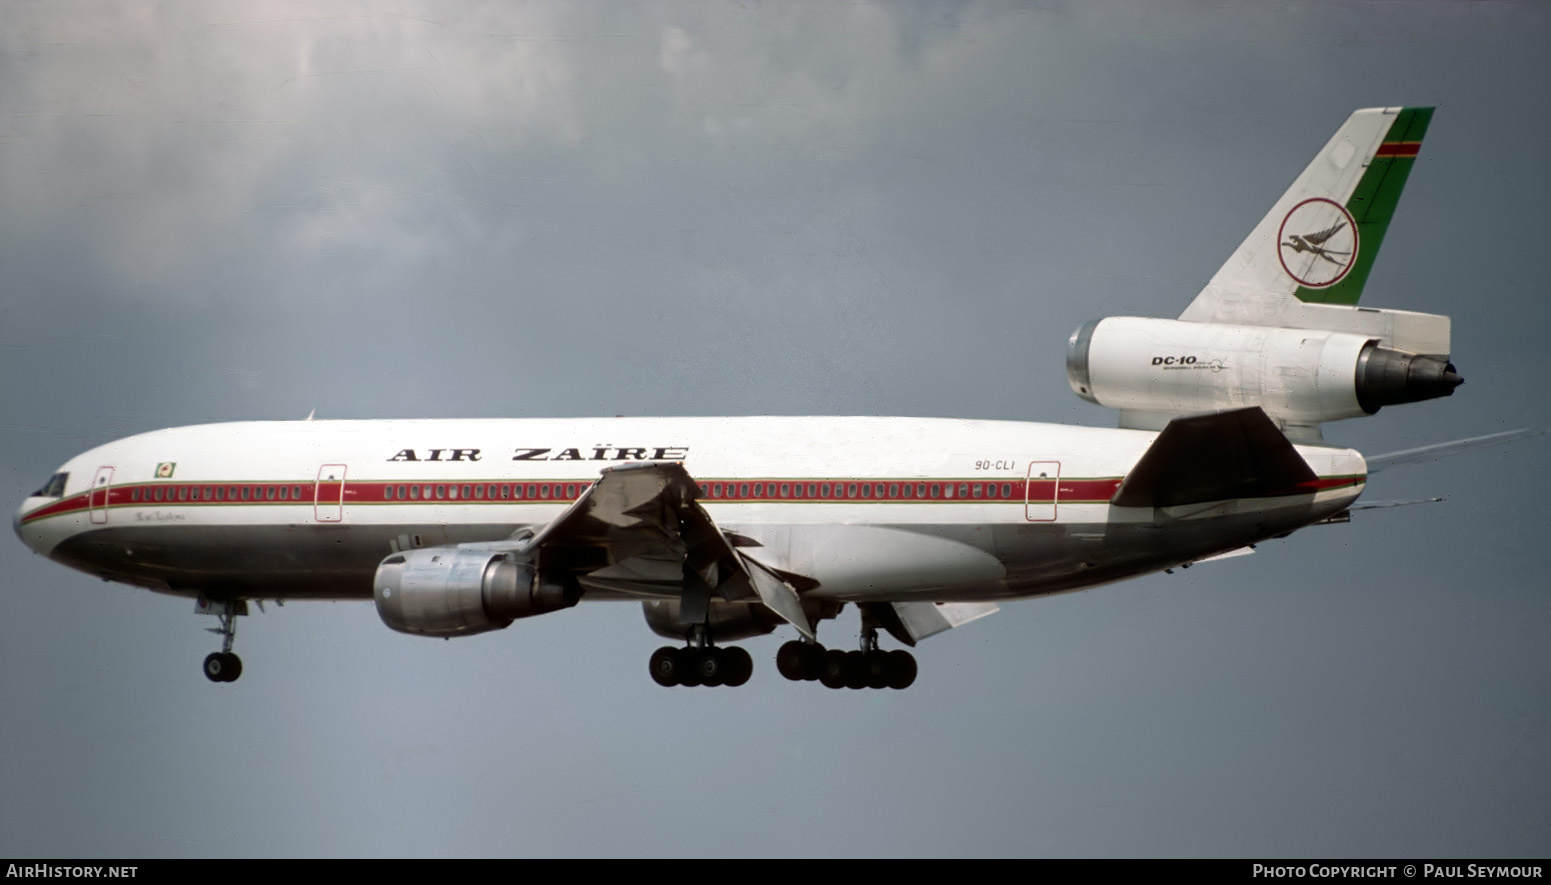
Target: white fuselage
x,y
868,508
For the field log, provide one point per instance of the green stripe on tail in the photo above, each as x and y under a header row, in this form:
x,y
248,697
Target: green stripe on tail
x,y
1373,203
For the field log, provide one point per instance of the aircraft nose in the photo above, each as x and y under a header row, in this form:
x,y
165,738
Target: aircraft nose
x,y
16,524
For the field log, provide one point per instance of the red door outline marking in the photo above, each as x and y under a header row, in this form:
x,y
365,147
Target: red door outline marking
x,y
1041,491
97,499
328,494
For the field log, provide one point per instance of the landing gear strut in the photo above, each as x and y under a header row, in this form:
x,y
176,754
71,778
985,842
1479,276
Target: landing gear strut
x,y
223,665
701,663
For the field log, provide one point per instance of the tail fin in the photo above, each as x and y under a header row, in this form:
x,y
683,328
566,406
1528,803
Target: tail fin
x,y
1316,246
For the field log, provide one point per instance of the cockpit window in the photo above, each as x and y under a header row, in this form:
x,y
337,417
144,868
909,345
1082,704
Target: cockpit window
x,y
54,488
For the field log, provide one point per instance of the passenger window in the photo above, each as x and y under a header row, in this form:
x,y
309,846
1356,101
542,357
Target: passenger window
x,y
786,489
908,489
506,491
231,493
743,490
244,493
193,493
759,490
866,490
823,490
570,490
479,492
441,493
285,493
452,493
893,490
851,490
716,490
414,491
544,490
182,493
936,490
134,494
975,490
269,493
387,493
220,493
963,490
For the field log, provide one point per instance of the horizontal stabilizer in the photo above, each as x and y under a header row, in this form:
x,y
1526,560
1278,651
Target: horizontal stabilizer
x,y
1433,452
1215,457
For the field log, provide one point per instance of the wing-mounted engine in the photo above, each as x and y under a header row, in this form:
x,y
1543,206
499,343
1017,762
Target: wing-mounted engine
x,y
1298,376
447,591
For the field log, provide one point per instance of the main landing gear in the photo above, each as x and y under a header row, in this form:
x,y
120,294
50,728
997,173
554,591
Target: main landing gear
x,y
701,665
223,665
870,667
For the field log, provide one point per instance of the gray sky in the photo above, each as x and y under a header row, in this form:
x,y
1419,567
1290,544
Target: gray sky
x,y
250,210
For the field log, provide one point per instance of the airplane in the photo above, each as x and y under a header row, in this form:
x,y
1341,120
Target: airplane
x,y
728,528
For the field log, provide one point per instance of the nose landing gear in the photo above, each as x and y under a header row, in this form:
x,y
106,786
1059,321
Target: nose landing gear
x,y
223,665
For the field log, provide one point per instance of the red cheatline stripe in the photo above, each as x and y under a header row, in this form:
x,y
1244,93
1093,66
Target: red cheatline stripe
x,y
1399,149
1008,490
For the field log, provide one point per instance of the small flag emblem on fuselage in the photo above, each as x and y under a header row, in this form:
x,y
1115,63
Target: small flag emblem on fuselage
x,y
164,469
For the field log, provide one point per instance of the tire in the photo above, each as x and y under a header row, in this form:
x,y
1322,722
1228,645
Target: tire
x,y
664,666
856,670
712,666
902,669
876,666
833,674
792,659
215,667
812,662
739,666
233,667
688,660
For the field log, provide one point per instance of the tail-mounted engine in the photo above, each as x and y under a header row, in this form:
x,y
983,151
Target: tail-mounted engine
x,y
444,591
1298,376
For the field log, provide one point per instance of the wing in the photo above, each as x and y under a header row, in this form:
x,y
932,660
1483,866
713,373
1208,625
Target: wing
x,y
640,531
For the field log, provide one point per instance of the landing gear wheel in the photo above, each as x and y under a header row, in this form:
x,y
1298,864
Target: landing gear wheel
x,y
664,666
856,669
688,660
222,666
901,669
876,666
812,662
712,667
833,674
739,666
792,660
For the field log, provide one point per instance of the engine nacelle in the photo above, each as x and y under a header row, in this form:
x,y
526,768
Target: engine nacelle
x,y
1298,376
729,621
444,591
